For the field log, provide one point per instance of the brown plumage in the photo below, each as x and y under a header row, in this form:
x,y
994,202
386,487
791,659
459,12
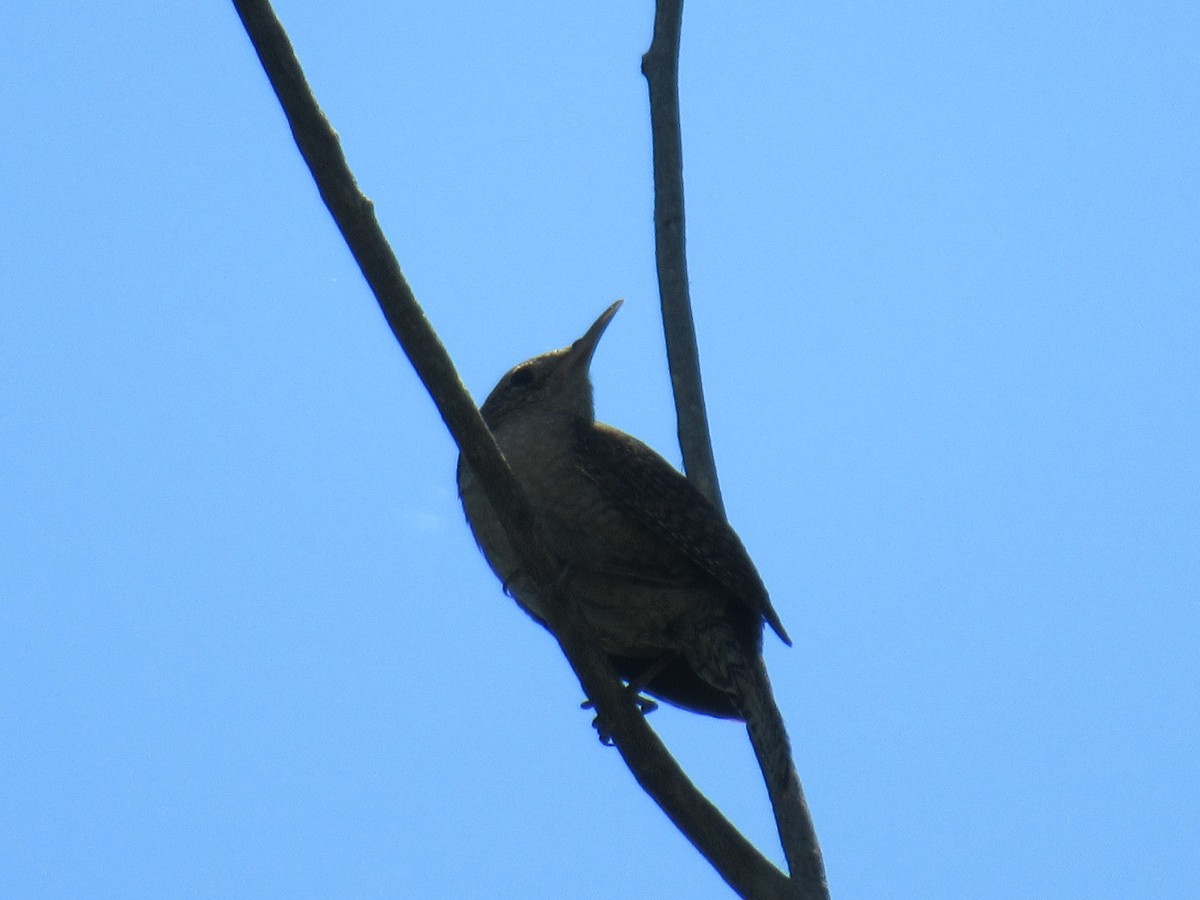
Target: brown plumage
x,y
661,576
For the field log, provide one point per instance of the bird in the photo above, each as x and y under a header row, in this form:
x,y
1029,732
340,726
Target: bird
x,y
662,578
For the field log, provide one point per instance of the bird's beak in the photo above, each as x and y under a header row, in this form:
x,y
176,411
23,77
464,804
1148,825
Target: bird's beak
x,y
580,354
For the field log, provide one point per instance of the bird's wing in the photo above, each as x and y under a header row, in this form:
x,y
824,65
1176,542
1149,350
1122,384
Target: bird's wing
x,y
669,506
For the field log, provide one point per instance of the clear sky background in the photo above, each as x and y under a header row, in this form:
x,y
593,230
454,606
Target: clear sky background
x,y
946,264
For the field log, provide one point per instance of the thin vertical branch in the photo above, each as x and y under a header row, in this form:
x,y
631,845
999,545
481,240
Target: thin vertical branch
x,y
660,65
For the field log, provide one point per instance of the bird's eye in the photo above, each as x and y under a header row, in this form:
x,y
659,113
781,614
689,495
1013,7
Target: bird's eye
x,y
521,378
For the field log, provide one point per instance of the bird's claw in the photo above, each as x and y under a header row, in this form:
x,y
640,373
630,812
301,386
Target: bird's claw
x,y
506,585
644,704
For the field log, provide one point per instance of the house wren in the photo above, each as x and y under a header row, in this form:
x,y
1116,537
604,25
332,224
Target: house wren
x,y
655,568
660,575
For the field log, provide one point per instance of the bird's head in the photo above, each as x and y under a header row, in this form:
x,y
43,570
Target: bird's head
x,y
555,382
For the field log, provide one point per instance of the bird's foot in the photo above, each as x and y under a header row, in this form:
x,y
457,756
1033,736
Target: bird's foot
x,y
507,583
644,704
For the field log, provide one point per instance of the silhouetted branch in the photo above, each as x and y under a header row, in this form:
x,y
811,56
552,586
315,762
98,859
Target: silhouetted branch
x,y
738,862
660,65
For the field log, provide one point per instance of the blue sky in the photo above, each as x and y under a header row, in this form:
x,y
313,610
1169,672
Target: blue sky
x,y
945,262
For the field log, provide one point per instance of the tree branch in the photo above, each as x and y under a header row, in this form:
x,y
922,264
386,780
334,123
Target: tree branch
x,y
737,861
660,65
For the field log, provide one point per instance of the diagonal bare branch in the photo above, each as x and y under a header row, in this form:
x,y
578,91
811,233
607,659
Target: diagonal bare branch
x,y
737,861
